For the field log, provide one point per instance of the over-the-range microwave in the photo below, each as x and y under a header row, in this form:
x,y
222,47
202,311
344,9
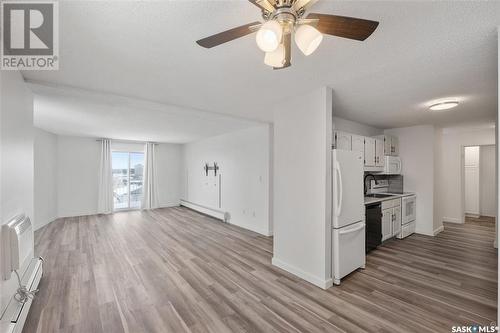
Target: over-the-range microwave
x,y
392,165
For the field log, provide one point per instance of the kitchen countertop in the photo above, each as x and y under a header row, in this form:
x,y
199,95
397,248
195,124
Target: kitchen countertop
x,y
369,200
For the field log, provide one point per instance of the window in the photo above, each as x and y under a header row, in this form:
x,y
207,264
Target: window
x,y
128,171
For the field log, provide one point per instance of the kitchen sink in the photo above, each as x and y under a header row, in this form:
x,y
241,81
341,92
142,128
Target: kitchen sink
x,y
378,195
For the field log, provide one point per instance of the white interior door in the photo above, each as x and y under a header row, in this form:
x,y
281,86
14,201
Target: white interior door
x,y
348,198
471,175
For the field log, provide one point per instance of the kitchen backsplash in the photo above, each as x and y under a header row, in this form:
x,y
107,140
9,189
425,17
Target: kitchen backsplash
x,y
395,182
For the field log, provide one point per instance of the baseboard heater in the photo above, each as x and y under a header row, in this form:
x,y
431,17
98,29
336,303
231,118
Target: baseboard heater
x,y
15,314
218,214
19,270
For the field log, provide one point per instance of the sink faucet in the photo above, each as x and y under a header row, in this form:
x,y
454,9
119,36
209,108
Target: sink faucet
x,y
364,181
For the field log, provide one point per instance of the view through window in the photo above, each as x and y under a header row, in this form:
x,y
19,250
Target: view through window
x,y
128,171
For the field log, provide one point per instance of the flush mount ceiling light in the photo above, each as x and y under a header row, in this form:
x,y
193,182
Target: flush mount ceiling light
x,y
284,18
441,106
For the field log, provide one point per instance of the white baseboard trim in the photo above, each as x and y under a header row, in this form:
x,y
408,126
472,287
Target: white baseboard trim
x,y
169,205
39,226
263,232
438,230
451,219
323,284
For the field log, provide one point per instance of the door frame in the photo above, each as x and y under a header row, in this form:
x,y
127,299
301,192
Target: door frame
x,y
462,178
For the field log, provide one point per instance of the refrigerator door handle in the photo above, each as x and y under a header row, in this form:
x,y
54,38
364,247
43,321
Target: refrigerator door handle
x,y
335,185
351,230
339,208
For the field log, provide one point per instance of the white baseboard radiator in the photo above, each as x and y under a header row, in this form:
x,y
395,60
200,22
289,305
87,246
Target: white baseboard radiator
x,y
20,273
218,214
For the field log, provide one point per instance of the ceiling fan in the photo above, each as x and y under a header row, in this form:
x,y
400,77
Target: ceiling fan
x,y
282,18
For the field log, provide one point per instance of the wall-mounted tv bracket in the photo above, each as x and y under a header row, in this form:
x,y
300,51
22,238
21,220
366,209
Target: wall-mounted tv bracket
x,y
207,168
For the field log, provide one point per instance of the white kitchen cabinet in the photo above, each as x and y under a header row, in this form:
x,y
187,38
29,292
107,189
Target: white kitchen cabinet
x,y
394,146
391,145
387,224
358,143
396,222
379,152
342,140
369,152
391,218
387,144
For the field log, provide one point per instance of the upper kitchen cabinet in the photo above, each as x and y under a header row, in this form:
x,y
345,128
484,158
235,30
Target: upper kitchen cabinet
x,y
341,140
371,148
379,153
391,145
370,155
358,143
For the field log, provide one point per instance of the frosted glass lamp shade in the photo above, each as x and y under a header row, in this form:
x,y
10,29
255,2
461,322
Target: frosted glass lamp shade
x,y
269,36
275,58
307,38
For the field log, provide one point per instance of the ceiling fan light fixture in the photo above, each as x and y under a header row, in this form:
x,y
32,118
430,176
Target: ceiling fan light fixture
x,y
276,58
269,36
307,38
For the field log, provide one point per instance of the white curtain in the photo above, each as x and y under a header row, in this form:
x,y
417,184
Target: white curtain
x,y
150,188
105,195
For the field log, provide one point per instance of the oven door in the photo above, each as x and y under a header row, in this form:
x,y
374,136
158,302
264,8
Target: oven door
x,y
408,209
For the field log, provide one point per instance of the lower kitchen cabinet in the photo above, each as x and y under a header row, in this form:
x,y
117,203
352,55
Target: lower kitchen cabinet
x,y
391,218
386,224
396,223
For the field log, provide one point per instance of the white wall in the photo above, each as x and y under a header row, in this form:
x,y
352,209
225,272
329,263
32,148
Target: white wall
x,y
243,158
16,156
45,170
450,205
78,166
438,174
416,149
302,186
353,127
169,163
77,170
487,177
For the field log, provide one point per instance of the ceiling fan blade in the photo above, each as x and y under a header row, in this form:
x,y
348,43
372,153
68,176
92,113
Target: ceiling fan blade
x,y
303,4
313,22
266,5
227,36
343,26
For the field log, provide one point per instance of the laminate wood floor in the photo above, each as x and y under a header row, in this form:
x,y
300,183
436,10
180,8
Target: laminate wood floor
x,y
173,270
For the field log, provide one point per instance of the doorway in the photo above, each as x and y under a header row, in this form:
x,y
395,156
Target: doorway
x,y
479,164
128,175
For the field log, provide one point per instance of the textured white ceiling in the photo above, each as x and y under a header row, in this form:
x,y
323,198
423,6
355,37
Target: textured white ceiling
x,y
421,51
85,113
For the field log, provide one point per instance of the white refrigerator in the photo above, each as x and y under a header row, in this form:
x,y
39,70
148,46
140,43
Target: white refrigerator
x,y
348,213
